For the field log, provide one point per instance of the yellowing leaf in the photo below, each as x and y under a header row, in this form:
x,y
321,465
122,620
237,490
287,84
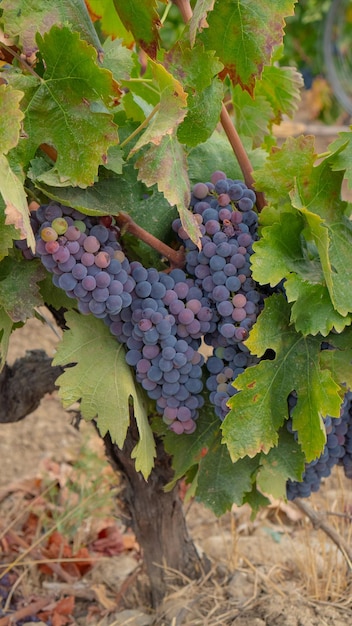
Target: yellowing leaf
x,y
171,109
11,117
103,383
165,165
16,207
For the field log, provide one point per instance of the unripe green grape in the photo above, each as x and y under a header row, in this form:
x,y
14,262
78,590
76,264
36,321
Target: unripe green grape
x,y
80,225
60,225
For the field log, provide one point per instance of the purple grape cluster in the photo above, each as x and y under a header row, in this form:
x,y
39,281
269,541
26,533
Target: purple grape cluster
x,y
157,316
222,272
162,318
346,460
162,349
222,268
223,367
85,259
333,454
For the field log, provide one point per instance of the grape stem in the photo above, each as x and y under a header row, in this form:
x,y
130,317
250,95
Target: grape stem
x,y
127,224
240,153
228,125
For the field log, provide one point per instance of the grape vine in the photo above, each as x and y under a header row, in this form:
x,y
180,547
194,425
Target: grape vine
x,y
210,264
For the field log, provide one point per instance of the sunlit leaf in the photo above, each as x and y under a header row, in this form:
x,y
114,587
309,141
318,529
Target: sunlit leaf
x,y
101,380
16,207
260,408
11,117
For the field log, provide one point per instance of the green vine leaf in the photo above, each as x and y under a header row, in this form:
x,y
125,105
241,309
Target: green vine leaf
x,y
253,116
281,86
331,231
295,158
187,451
118,59
284,461
77,95
19,290
198,19
6,326
338,359
141,18
25,18
169,112
222,483
250,30
101,380
195,68
216,153
203,114
312,309
341,155
260,408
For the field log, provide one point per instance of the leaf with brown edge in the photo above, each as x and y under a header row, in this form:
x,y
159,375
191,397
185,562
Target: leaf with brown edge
x,y
244,34
199,18
23,19
141,18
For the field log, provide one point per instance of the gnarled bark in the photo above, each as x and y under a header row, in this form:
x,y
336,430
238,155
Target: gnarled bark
x,y
23,385
157,517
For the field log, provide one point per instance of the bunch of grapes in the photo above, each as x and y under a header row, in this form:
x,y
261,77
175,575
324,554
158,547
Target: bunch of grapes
x,y
221,270
333,454
162,318
162,349
85,259
157,316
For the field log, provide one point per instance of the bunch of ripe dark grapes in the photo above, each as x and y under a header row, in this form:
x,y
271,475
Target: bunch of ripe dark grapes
x,y
164,319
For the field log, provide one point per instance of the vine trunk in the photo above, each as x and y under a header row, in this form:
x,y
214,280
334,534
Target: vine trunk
x,y
157,518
